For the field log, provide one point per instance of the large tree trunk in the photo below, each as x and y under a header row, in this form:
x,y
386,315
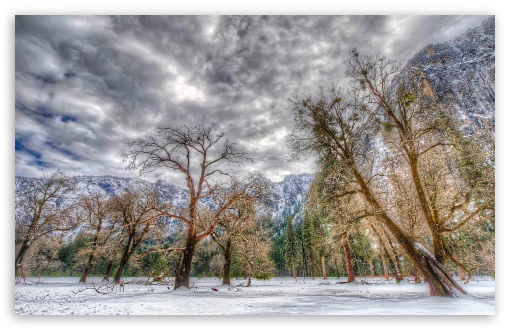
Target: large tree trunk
x,y
182,278
86,271
348,259
128,250
294,268
18,270
437,236
123,263
440,282
323,267
228,261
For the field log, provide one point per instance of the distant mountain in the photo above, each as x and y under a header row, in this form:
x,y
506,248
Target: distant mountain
x,y
287,196
461,73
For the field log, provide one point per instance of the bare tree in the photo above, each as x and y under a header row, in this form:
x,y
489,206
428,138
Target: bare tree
x,y
140,219
242,219
198,156
100,226
44,208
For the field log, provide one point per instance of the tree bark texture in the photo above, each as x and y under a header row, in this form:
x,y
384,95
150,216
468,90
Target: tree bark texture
x,y
182,278
348,259
228,261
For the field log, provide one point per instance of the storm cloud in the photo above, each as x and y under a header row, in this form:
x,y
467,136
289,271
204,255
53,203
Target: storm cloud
x,y
84,86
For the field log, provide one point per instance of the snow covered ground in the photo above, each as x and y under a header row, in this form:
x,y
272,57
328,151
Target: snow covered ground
x,y
278,296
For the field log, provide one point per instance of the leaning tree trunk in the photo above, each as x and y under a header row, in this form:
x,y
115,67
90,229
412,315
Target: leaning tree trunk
x,y
440,282
108,271
394,268
228,261
182,278
348,260
123,263
86,271
437,236
18,270
90,262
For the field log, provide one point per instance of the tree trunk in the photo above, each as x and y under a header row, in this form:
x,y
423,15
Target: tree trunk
x,y
294,268
123,262
437,237
312,268
226,266
348,260
86,271
90,263
18,270
323,267
305,270
177,264
108,271
398,266
182,278
386,275
440,282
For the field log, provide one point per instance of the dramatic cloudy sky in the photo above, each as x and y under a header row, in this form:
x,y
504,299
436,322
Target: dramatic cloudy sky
x,y
84,86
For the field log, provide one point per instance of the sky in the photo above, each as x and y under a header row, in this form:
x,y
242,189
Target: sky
x,y
87,85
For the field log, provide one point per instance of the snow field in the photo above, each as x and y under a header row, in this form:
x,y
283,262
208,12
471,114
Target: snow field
x,y
278,296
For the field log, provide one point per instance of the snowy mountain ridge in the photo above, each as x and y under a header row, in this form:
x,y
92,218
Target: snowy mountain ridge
x,y
287,196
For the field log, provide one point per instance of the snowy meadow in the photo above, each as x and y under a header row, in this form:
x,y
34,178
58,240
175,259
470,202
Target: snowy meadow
x,y
278,296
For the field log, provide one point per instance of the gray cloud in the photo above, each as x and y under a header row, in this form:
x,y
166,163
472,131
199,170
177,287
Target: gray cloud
x,y
87,85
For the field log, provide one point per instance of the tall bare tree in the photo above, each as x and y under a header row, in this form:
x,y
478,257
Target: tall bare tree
x,y
44,208
201,158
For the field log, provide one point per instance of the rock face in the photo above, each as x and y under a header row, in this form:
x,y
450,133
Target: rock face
x,y
461,72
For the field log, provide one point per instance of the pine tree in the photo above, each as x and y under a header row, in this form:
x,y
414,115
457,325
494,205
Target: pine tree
x,y
290,246
309,242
